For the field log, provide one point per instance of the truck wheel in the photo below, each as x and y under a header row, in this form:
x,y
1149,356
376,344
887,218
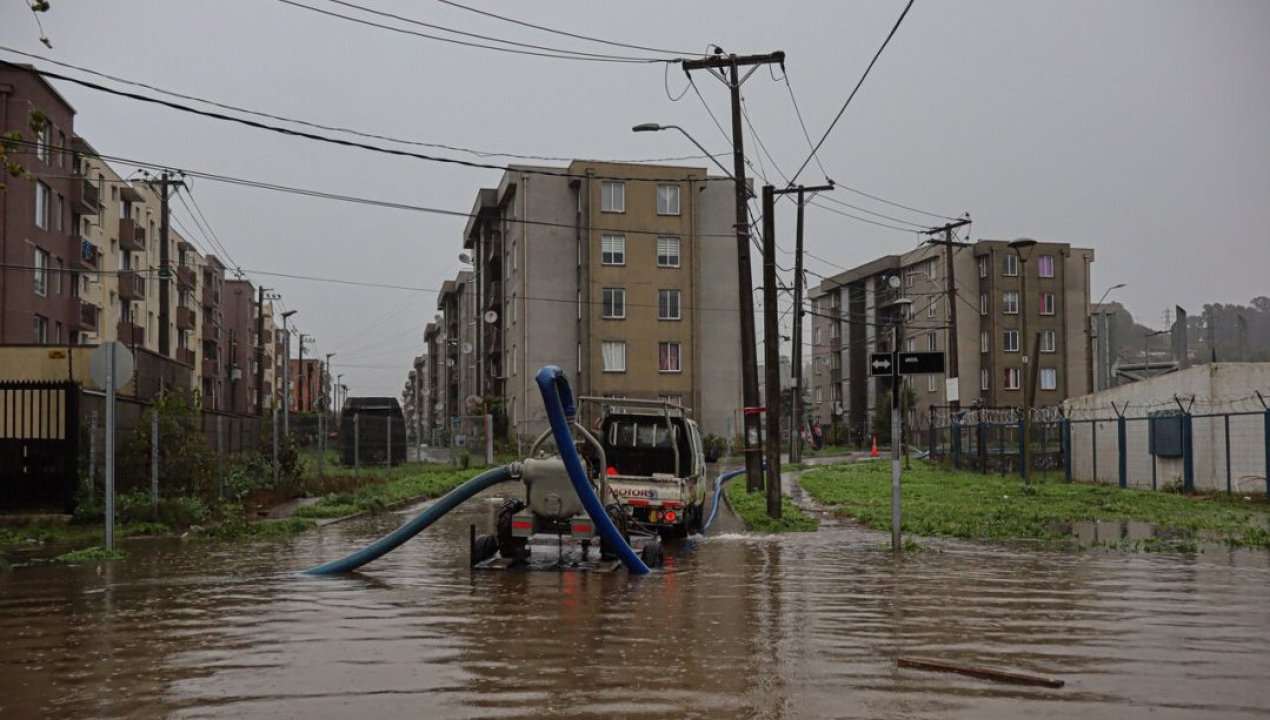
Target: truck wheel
x,y
652,554
697,517
515,548
484,548
618,516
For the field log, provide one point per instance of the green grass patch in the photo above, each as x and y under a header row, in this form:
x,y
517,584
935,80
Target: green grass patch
x,y
241,529
752,507
988,507
385,487
90,554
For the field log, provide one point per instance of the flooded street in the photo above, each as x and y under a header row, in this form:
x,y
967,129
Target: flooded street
x,y
801,626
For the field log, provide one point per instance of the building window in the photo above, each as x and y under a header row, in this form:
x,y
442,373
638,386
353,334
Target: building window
x,y
1010,303
1047,341
910,278
930,309
61,148
668,252
931,385
612,197
668,357
41,330
1047,303
912,344
932,342
1049,379
57,277
1010,265
615,303
1045,266
932,269
983,304
983,266
614,352
58,204
668,304
613,251
43,140
820,395
42,198
819,338
1011,378
1010,341
985,379
667,199
41,272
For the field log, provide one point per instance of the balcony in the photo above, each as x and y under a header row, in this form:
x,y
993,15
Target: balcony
x,y
184,318
131,286
211,298
87,316
185,276
130,334
185,355
88,257
85,197
131,235
210,333
211,368
266,337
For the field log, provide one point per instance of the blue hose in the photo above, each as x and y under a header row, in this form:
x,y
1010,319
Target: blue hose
x,y
557,396
718,492
431,514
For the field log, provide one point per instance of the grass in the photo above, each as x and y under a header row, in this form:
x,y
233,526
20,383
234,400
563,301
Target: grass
x,y
386,487
90,554
752,507
988,507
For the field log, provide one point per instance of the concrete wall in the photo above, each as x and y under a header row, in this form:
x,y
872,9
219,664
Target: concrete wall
x,y
1216,389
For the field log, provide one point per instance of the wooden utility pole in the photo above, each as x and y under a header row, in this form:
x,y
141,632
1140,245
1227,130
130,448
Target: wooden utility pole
x,y
796,353
771,354
165,186
950,284
749,350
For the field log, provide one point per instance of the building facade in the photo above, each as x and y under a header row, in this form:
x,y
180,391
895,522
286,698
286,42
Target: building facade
x,y
856,313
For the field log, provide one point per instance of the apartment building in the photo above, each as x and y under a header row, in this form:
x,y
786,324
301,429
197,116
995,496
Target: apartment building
x,y
213,336
308,378
623,275
856,313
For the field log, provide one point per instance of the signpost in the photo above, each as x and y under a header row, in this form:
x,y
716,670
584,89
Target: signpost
x,y
110,366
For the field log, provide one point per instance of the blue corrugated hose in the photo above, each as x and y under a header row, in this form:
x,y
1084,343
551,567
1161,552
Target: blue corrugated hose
x,y
557,396
718,493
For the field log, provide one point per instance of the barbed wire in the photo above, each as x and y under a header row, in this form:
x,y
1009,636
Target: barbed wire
x,y
1254,402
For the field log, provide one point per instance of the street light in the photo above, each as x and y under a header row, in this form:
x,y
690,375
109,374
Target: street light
x,y
654,127
286,373
1023,249
897,428
1103,347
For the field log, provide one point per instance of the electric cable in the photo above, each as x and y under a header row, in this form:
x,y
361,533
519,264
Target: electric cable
x,y
561,32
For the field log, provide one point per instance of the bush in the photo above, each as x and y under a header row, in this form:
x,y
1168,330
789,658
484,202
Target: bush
x,y
714,446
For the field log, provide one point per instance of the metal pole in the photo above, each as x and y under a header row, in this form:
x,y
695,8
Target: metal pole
x,y
92,450
110,448
154,460
357,444
275,447
321,446
489,439
286,377
897,428
771,352
796,352
220,457
388,428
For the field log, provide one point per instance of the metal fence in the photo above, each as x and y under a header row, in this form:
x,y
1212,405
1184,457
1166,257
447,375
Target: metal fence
x,y
1154,448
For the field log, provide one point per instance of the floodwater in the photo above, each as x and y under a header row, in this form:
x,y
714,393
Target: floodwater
x,y
737,626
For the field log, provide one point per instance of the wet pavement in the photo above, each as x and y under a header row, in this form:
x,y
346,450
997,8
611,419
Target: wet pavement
x,y
799,626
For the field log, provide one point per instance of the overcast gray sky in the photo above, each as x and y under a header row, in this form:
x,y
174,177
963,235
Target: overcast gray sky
x,y
1135,128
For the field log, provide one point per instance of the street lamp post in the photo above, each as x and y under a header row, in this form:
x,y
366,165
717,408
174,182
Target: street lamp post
x,y
897,425
286,373
749,350
1023,249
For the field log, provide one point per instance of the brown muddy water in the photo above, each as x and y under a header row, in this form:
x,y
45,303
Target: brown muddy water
x,y
737,626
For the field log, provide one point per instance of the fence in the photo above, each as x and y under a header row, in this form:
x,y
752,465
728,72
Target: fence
x,y
1226,448
38,444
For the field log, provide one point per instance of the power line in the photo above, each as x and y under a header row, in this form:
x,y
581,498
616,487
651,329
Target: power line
x,y
555,53
337,128
561,32
856,89
337,141
836,211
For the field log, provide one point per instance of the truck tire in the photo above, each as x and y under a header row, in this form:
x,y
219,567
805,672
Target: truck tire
x,y
652,554
514,548
485,547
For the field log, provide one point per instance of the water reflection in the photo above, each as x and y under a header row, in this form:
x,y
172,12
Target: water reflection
x,y
806,626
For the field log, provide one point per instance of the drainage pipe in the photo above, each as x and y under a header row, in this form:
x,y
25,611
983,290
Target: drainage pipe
x,y
430,514
718,496
557,396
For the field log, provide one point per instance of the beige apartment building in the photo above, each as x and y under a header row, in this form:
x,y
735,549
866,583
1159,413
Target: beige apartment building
x,y
855,313
623,275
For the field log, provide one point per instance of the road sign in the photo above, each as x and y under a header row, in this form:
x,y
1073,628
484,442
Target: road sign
x,y
921,363
100,360
881,364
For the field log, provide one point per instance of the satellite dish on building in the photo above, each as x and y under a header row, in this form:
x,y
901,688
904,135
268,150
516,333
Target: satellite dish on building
x,y
466,348
894,282
491,317
449,362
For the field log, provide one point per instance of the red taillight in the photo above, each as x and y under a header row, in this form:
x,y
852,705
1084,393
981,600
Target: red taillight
x,y
611,471
523,524
581,529
670,516
672,504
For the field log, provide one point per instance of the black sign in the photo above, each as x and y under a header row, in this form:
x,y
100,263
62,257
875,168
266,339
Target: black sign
x,y
881,364
921,363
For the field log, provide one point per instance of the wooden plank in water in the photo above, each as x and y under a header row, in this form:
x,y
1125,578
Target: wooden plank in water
x,y
982,673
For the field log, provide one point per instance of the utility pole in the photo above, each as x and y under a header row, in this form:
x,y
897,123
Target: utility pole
x,y
749,350
299,387
260,350
165,186
950,283
771,354
286,373
796,353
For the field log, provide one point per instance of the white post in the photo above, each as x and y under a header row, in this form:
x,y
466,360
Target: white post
x,y
321,447
388,426
897,429
489,439
110,449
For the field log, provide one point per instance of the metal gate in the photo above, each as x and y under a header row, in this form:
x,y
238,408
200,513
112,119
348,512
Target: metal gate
x,y
39,445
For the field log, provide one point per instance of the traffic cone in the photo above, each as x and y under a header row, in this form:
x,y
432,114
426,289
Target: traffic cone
x,y
874,453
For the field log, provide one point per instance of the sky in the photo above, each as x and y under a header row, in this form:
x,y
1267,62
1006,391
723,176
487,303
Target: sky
x,y
1137,128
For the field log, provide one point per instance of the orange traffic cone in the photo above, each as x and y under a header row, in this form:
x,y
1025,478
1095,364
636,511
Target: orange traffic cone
x,y
874,453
